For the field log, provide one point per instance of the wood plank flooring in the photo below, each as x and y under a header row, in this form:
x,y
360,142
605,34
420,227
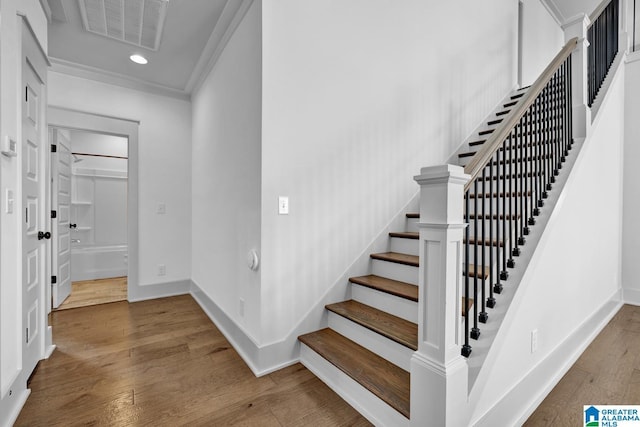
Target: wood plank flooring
x,y
607,373
163,363
93,292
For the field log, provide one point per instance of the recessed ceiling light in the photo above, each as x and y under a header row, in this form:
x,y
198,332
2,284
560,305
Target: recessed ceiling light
x,y
138,59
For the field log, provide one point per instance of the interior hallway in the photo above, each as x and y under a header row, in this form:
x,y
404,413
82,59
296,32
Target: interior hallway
x,y
163,363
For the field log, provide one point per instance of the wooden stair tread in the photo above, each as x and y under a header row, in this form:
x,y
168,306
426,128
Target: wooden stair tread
x,y
479,273
486,242
393,287
395,328
381,377
486,132
405,234
413,215
398,258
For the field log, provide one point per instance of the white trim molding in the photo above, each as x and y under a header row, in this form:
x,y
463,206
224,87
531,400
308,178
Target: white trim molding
x,y
91,73
554,11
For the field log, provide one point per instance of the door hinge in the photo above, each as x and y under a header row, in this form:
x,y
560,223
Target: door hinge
x,y
54,148
54,214
27,336
26,93
26,215
54,280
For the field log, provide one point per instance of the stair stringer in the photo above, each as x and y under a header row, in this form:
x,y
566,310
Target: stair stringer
x,y
482,361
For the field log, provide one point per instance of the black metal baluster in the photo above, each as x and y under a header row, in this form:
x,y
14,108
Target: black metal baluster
x,y
538,156
475,331
466,348
506,248
483,314
491,302
530,200
522,214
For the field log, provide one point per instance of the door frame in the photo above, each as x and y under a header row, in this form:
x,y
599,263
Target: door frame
x,y
60,117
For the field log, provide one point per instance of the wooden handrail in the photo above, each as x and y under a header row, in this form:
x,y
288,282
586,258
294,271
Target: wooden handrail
x,y
484,155
598,11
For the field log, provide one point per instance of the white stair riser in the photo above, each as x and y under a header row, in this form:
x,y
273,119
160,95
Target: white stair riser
x,y
395,271
404,246
365,402
401,307
388,349
412,224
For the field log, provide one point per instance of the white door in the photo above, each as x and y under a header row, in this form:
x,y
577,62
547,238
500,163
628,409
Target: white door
x,y
60,225
33,202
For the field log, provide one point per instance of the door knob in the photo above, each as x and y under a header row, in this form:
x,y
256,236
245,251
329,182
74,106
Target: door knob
x,y
73,225
44,235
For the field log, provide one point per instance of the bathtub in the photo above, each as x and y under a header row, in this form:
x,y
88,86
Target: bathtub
x,y
98,262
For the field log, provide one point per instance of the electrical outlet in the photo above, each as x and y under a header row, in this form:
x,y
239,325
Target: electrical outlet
x,y
241,307
534,341
162,269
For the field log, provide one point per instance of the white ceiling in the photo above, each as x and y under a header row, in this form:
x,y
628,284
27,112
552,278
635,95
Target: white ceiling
x,y
194,33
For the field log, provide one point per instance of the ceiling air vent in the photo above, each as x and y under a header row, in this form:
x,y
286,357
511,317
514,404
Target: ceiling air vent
x,y
138,22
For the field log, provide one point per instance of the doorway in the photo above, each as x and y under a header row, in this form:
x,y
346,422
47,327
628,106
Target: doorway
x,y
81,124
89,195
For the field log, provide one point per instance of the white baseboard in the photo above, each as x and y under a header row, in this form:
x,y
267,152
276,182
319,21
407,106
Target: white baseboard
x,y
520,402
631,296
261,359
9,415
160,290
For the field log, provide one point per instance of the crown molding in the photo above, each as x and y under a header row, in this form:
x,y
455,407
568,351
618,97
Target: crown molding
x,y
232,14
92,73
554,11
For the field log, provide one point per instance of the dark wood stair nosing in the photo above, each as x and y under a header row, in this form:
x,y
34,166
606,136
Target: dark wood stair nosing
x,y
397,258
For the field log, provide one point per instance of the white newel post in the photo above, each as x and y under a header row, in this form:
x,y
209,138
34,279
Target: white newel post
x,y
439,374
577,27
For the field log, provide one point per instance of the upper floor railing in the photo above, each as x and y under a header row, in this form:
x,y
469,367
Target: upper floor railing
x,y
603,37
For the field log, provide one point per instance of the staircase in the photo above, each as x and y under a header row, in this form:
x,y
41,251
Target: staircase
x,y
365,352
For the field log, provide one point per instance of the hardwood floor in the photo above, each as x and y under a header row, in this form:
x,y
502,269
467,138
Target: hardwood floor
x,y
607,373
93,292
163,363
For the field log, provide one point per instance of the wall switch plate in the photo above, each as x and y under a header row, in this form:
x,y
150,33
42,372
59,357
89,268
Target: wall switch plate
x,y
162,209
241,307
162,269
9,147
283,205
534,341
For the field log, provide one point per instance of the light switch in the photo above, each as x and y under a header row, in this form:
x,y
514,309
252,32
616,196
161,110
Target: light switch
x,y
162,209
283,205
9,201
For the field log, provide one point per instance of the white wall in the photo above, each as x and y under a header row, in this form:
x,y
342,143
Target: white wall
x,y
574,272
11,331
226,177
164,169
542,39
631,235
357,97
